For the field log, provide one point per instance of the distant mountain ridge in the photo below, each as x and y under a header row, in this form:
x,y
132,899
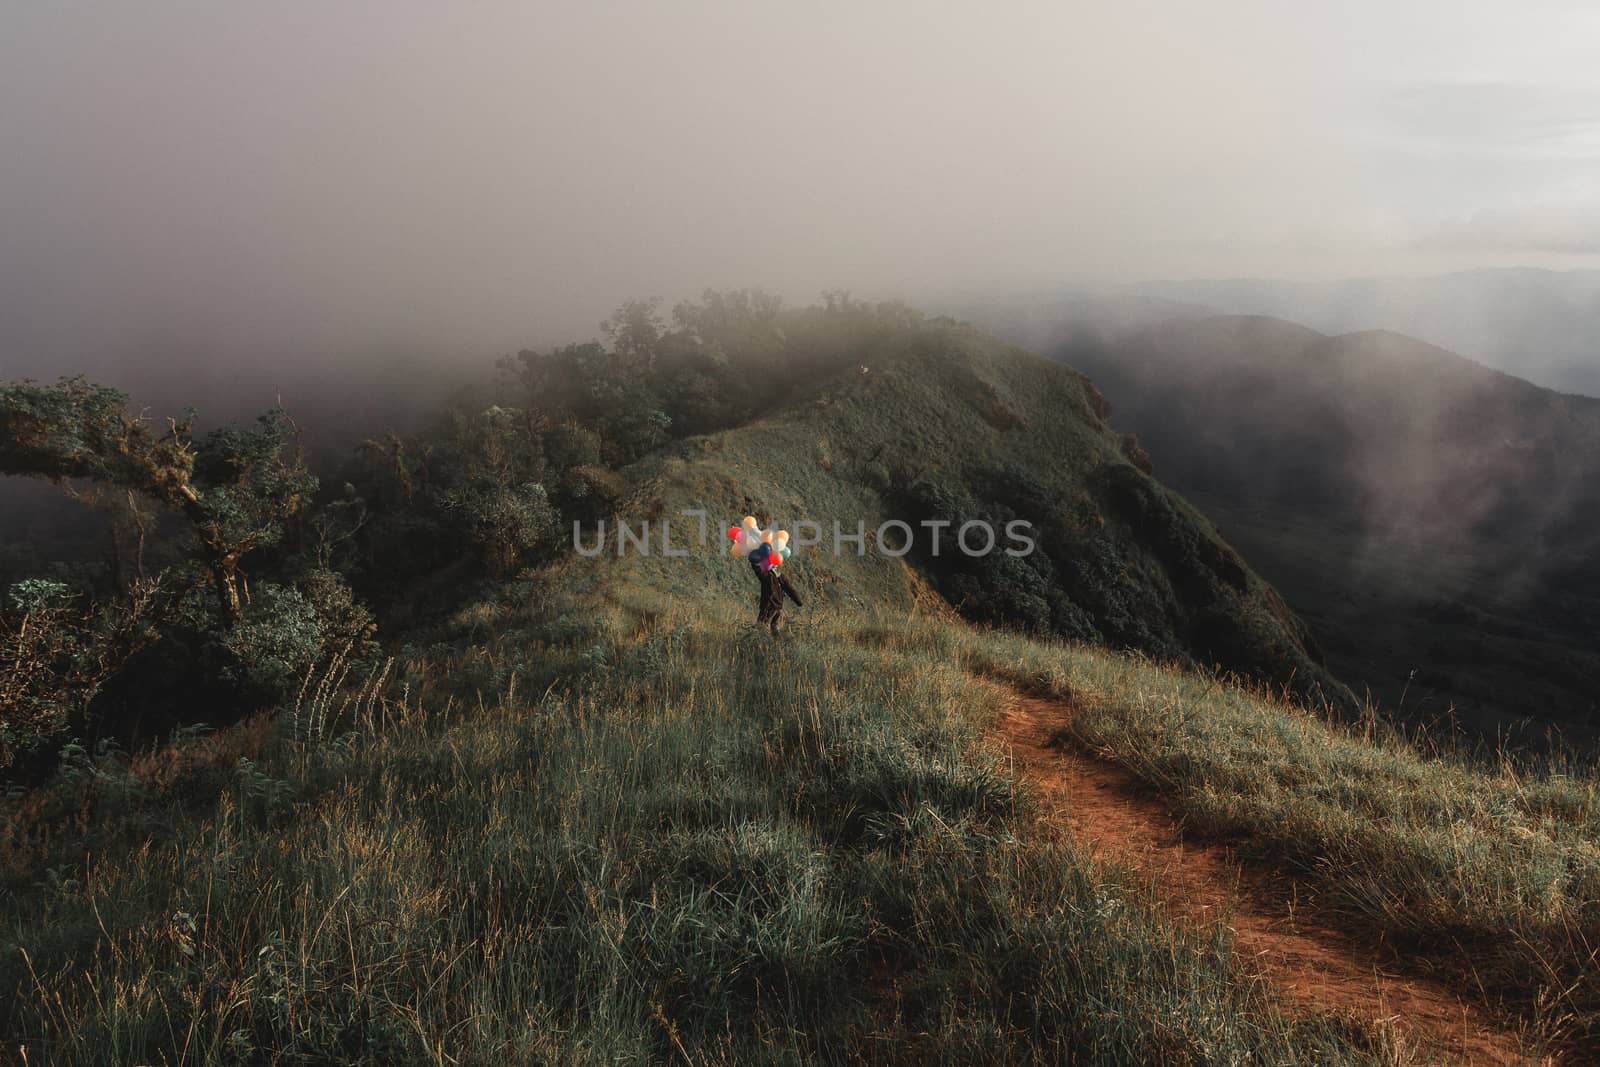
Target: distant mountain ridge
x,y
1542,325
1434,518
1400,432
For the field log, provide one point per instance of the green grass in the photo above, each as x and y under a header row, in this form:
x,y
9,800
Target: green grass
x,y
599,818
709,850
1490,874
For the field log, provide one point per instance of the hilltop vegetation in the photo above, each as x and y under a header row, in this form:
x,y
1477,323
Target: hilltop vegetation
x,y
699,843
237,571
577,809
232,568
700,846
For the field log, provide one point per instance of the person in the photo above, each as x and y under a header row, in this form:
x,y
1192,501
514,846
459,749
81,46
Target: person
x,y
769,601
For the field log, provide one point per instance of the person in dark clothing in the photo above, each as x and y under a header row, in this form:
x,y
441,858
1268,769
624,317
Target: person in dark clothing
x,y
769,602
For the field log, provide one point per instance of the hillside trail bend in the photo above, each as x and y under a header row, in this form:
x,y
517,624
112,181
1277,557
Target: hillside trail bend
x,y
1278,931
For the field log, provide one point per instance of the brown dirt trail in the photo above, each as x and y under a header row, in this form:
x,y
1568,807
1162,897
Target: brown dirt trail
x,y
1277,928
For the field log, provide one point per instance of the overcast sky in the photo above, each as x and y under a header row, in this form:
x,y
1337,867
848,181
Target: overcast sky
x,y
323,177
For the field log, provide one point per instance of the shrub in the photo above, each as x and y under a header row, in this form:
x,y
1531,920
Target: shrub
x,y
55,657
288,629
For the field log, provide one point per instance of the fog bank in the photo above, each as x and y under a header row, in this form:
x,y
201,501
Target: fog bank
x,y
246,194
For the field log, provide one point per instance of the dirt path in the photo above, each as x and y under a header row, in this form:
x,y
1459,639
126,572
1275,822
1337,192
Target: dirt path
x,y
1276,925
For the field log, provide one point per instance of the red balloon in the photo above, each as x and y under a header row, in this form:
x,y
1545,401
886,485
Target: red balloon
x,y
733,533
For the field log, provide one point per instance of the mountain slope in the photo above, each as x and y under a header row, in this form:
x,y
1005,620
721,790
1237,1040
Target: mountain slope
x,y
945,425
599,817
1434,519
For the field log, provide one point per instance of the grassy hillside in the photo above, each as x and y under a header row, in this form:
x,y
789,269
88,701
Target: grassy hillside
x,y
701,847
945,424
701,844
1433,519
595,815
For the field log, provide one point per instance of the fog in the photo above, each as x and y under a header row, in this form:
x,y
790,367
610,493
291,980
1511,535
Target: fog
x,y
220,197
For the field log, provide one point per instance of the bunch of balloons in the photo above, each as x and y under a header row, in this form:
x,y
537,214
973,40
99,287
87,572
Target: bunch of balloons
x,y
768,549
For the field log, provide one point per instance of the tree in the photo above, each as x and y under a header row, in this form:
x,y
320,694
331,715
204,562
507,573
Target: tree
x,y
478,480
636,330
56,655
237,487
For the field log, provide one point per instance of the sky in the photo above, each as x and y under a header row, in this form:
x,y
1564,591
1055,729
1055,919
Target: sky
x,y
269,183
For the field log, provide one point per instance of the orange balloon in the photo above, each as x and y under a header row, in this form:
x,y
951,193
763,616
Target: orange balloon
x,y
766,538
